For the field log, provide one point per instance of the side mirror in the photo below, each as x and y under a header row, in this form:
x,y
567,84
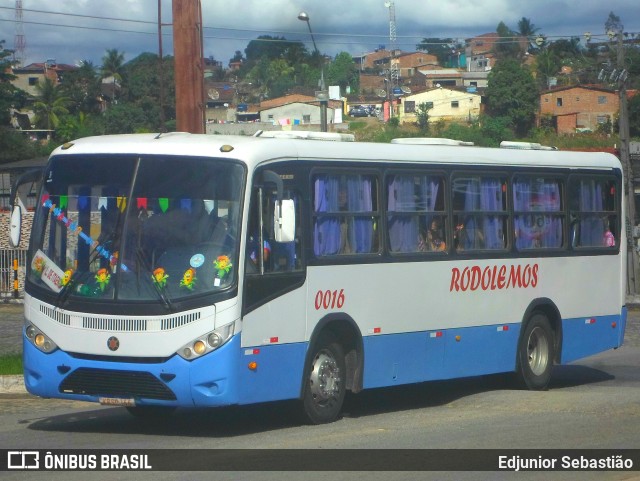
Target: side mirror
x,y
18,201
16,226
284,221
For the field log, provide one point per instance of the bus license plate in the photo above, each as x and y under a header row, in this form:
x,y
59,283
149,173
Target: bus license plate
x,y
114,401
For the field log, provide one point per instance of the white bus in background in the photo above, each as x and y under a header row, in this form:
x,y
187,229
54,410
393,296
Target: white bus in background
x,y
182,270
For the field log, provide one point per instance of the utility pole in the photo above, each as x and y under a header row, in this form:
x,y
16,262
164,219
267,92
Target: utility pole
x,y
625,158
189,71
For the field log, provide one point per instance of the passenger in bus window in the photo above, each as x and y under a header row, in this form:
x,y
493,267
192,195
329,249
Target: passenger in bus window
x,y
467,236
434,237
345,245
608,239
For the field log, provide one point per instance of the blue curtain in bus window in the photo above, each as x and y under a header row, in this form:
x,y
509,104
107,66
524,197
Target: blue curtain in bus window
x,y
359,199
591,227
428,195
326,233
552,233
491,200
538,229
403,228
473,237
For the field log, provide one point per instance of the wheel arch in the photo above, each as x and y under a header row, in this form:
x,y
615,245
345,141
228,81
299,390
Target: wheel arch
x,y
550,309
346,331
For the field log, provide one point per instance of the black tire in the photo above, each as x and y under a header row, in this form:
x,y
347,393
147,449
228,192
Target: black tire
x,y
151,412
324,382
536,352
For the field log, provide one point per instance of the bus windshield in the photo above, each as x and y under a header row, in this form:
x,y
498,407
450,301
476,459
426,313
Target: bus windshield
x,y
136,228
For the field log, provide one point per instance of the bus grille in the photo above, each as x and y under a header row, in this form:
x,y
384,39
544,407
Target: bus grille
x,y
111,383
120,325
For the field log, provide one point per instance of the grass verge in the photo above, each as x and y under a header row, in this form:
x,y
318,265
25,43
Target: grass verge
x,y
10,364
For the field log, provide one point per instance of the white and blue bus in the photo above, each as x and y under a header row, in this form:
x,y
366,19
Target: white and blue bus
x,y
181,270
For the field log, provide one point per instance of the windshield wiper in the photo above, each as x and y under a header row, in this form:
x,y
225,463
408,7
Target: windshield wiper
x,y
63,295
141,260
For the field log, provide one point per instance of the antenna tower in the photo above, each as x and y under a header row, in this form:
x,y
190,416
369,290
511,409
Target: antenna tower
x,y
393,66
19,42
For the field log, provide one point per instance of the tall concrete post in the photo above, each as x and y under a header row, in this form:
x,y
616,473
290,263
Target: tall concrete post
x,y
625,158
189,71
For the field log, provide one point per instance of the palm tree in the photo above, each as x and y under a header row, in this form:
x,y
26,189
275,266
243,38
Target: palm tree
x,y
51,104
112,64
526,28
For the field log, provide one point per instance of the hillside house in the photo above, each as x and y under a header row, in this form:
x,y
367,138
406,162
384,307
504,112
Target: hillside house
x,y
579,108
446,104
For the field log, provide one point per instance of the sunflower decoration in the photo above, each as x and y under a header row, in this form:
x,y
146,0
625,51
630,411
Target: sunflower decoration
x,y
189,279
102,278
38,265
66,277
223,265
160,277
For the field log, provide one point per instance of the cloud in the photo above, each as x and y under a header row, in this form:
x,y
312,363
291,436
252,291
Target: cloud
x,y
85,29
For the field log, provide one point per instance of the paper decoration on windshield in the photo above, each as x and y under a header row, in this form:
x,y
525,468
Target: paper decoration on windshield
x,y
160,277
102,278
189,279
66,278
223,266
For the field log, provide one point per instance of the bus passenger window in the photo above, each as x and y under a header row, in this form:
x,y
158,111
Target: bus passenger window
x,y
539,213
480,212
345,214
415,208
594,220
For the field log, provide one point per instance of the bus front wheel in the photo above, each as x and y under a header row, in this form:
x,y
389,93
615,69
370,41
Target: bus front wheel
x,y
536,353
324,389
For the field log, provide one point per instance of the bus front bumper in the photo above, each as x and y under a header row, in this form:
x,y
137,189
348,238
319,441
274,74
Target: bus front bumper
x,y
206,381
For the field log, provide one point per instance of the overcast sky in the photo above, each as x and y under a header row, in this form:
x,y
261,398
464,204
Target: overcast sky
x,y
73,30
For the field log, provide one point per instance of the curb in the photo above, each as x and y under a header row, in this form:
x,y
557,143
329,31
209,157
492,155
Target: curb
x,y
12,384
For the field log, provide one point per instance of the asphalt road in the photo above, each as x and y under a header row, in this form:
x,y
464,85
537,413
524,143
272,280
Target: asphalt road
x,y
594,403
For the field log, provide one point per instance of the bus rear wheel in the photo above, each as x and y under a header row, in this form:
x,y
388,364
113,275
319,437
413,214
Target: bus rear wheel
x,y
536,353
324,388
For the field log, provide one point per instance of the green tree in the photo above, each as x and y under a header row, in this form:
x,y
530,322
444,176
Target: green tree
x,y
547,66
7,90
237,57
613,24
343,72
82,87
508,44
422,116
125,118
112,65
142,87
273,48
512,93
526,28
51,104
440,47
566,49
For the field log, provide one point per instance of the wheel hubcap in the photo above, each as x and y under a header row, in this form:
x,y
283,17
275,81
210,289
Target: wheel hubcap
x,y
538,351
325,378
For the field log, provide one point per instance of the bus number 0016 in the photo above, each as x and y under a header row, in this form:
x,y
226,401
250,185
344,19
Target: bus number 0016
x,y
329,299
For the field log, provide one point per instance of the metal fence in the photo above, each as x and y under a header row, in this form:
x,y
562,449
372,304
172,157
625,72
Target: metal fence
x,y
13,265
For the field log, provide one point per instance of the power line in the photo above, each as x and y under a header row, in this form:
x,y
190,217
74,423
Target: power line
x,y
276,32
375,39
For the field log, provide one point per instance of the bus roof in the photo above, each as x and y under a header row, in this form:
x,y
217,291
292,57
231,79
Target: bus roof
x,y
429,141
256,150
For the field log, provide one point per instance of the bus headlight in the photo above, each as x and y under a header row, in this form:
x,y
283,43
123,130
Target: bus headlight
x,y
39,339
206,343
